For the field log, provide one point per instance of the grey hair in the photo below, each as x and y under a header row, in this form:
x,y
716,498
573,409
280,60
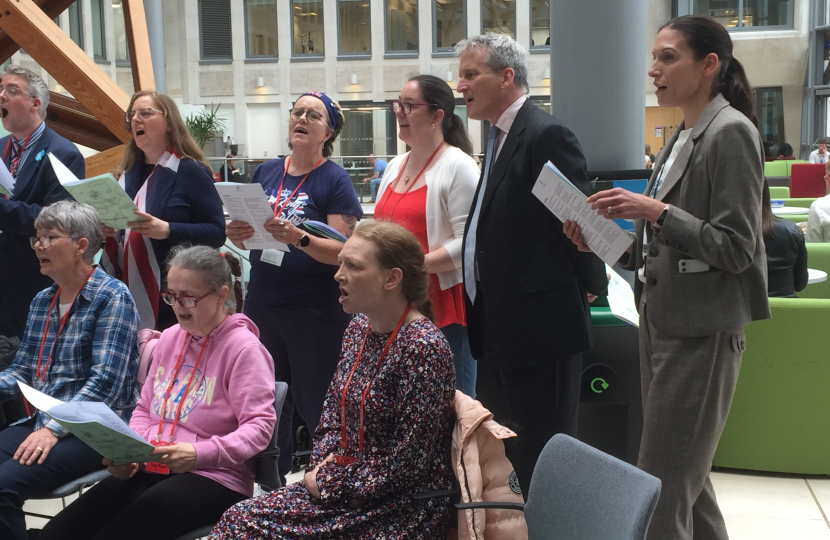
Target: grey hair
x,y
78,220
205,261
502,52
37,86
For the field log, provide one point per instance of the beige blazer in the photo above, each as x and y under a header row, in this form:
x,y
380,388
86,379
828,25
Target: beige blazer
x,y
714,191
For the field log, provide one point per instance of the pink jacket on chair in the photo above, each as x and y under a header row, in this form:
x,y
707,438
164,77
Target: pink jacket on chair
x,y
484,474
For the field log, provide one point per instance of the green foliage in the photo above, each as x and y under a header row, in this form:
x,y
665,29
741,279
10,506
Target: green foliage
x,y
203,125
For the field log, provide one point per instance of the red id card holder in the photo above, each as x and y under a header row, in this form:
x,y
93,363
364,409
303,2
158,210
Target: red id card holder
x,y
154,467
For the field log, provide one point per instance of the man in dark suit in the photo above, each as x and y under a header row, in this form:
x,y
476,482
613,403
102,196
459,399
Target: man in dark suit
x,y
23,100
525,283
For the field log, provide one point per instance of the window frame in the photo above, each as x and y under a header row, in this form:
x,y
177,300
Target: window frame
x,y
214,59
121,62
360,55
260,57
515,22
537,48
80,20
686,7
308,57
437,51
101,59
387,53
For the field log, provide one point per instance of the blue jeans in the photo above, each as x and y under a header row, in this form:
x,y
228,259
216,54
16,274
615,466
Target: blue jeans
x,y
374,187
465,364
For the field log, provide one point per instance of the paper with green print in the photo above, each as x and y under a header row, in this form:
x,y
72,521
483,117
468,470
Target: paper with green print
x,y
102,192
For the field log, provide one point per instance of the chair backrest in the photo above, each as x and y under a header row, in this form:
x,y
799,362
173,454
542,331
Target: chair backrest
x,y
818,257
267,472
580,493
779,192
776,168
807,180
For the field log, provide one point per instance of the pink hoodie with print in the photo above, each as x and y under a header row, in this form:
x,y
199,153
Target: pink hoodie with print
x,y
228,413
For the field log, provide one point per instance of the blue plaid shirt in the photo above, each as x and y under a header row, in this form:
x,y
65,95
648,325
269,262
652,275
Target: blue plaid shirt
x,y
96,358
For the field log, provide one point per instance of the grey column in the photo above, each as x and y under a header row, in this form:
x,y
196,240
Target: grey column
x,y
597,78
155,31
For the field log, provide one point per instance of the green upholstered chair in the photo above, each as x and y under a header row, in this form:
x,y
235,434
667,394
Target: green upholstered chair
x,y
818,257
776,168
796,218
781,410
802,202
791,162
779,192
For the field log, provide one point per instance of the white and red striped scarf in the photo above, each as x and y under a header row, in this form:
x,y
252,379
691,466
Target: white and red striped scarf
x,y
130,256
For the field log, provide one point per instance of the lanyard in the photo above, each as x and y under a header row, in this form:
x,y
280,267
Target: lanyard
x,y
38,372
394,184
13,166
279,211
179,363
344,460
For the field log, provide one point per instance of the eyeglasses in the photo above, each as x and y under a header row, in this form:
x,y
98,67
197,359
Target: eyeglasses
x,y
398,106
310,114
170,298
14,91
45,240
144,113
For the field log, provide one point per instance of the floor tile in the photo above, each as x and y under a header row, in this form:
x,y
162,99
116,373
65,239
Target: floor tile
x,y
765,496
821,489
760,528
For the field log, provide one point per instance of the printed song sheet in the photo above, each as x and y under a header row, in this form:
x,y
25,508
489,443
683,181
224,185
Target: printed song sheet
x,y
566,202
621,298
6,180
248,203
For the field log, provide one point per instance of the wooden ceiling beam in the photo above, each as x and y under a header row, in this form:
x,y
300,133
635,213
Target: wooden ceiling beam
x,y
72,120
104,162
52,8
141,62
54,51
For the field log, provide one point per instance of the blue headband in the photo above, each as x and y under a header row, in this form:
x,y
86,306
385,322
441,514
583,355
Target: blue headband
x,y
330,107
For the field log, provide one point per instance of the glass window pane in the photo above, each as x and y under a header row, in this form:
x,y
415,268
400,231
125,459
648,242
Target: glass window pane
x,y
98,48
261,26
824,54
401,25
76,24
450,23
540,23
119,29
355,28
769,108
499,17
767,13
723,11
308,27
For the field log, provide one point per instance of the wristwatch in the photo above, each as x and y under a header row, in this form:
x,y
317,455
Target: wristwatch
x,y
304,240
659,223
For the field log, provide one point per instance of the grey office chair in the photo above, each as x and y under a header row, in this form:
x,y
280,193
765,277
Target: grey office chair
x,y
76,486
580,493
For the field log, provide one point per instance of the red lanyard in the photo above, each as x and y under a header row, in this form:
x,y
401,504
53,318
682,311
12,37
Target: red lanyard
x,y
394,184
279,193
13,166
343,460
179,363
38,372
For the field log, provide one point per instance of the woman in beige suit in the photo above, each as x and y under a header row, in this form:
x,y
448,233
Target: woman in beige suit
x,y
699,255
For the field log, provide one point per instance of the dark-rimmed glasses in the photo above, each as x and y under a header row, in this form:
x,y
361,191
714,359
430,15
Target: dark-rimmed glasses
x,y
398,106
170,298
144,113
45,240
310,114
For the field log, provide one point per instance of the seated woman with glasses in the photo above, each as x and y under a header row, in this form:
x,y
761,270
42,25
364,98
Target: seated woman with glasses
x,y
292,295
386,427
208,407
80,344
165,173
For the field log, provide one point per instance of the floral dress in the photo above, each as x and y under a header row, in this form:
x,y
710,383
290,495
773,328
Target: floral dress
x,y
408,418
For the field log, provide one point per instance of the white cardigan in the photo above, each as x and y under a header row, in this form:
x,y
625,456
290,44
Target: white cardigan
x,y
451,184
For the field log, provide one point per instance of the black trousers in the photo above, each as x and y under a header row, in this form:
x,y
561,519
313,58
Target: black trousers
x,y
536,402
147,506
68,460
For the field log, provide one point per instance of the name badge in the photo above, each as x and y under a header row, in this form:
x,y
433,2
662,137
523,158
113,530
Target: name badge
x,y
272,256
155,467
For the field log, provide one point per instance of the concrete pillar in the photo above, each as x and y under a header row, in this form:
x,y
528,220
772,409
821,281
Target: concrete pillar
x,y
155,31
597,81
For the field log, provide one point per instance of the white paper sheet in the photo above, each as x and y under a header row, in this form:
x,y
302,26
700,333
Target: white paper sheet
x,y
621,299
248,203
605,238
6,180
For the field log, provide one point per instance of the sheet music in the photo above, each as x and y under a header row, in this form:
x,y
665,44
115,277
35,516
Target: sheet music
x,y
248,203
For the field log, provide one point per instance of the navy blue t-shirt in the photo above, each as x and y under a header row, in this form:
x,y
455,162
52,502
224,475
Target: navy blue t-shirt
x,y
301,281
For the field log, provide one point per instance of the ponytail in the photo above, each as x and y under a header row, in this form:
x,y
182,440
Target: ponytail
x,y
455,134
736,89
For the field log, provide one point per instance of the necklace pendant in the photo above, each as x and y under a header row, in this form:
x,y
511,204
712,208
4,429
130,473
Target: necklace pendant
x,y
406,181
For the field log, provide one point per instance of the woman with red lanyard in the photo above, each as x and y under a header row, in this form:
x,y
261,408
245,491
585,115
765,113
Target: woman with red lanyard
x,y
292,295
165,173
385,431
208,407
429,190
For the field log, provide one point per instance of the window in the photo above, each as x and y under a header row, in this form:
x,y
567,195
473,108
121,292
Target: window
x,y
76,24
261,29
119,29
215,30
401,26
450,24
499,17
308,28
355,29
747,13
540,24
99,50
769,109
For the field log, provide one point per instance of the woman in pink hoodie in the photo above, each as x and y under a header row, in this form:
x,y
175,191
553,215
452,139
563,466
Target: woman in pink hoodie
x,y
208,407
